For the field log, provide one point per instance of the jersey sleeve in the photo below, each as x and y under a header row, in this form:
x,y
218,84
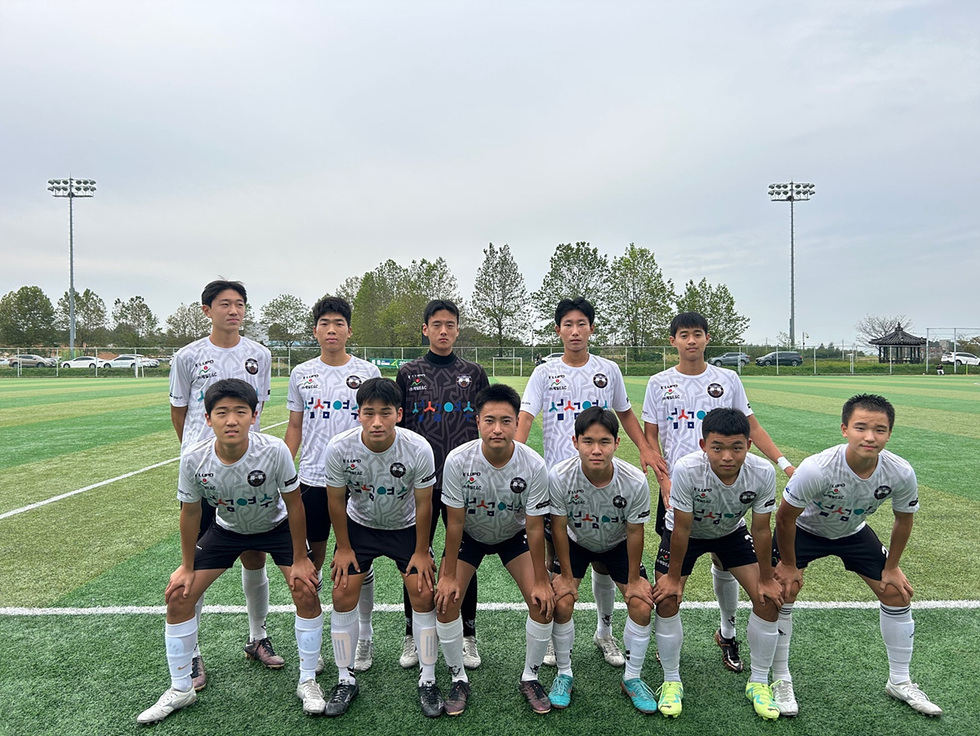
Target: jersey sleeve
x,y
556,493
532,400
402,380
294,400
905,499
373,371
264,389
538,499
804,486
187,490
739,400
425,465
452,490
334,464
639,508
765,500
288,480
482,380
180,382
651,406
681,489
620,399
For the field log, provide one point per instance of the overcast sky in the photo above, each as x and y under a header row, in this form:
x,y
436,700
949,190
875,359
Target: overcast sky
x,y
293,144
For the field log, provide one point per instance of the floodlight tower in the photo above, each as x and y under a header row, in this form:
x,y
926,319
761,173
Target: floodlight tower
x,y
792,193
71,188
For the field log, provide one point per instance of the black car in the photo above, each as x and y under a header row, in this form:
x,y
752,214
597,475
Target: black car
x,y
784,357
730,359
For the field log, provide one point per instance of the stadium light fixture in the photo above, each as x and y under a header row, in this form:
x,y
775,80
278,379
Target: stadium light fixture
x,y
71,188
791,192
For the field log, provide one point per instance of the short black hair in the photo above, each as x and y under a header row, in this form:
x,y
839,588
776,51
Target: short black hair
x,y
212,290
498,392
596,415
690,321
437,305
380,389
331,305
868,402
579,303
230,388
725,421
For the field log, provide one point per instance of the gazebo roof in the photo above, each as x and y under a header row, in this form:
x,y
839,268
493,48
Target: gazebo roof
x,y
898,337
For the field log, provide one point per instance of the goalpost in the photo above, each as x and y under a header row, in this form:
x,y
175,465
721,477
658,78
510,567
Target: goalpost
x,y
514,361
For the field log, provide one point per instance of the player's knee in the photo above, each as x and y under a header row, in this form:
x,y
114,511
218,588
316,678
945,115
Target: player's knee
x,y
564,607
344,599
180,608
667,608
639,610
252,559
766,610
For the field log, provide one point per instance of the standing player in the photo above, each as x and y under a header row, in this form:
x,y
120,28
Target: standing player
x,y
559,391
599,505
823,513
388,473
224,354
496,495
676,401
251,480
322,403
710,493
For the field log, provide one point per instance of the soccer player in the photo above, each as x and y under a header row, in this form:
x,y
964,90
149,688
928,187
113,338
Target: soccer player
x,y
711,491
559,391
322,403
496,494
439,389
599,505
388,472
224,354
676,401
823,513
250,480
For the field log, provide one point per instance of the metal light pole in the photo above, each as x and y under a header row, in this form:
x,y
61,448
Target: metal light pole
x,y
792,193
71,188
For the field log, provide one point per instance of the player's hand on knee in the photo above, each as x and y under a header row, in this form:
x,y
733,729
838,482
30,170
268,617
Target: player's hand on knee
x,y
447,592
302,574
790,578
425,567
770,591
562,586
896,580
180,582
340,565
642,590
544,598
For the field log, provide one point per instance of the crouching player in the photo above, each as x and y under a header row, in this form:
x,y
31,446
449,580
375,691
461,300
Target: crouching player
x,y
251,481
599,505
710,493
496,495
823,513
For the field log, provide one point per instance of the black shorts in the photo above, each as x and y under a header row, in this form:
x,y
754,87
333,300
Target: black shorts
x,y
219,548
368,543
861,552
317,515
616,560
734,550
472,551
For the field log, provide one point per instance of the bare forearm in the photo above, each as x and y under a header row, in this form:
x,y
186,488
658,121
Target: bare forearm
x,y
901,531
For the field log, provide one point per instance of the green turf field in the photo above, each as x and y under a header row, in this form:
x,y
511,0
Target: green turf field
x,y
83,672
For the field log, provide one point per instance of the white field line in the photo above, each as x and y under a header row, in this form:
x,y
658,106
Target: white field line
x,y
45,502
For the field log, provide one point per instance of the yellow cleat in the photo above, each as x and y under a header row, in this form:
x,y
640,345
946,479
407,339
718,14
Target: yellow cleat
x,y
670,699
761,697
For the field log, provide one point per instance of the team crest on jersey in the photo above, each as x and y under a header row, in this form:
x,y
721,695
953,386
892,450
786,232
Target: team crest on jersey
x,y
464,381
600,380
619,502
518,485
354,382
715,390
251,366
256,478
397,470
747,497
883,492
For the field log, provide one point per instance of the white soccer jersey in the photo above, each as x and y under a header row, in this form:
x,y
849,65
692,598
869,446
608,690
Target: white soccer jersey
x,y
381,484
496,499
677,403
597,517
836,502
719,509
559,393
327,396
196,366
246,494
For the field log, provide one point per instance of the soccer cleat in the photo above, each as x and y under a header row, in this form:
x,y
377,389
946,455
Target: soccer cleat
x,y
909,692
363,655
431,700
761,697
644,699
561,692
455,702
170,701
199,677
320,664
471,657
729,652
670,694
312,696
261,651
340,698
549,656
537,698
610,650
410,657
784,698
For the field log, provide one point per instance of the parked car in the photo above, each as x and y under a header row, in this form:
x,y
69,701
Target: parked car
x,y
127,360
551,356
785,357
85,361
730,359
961,358
29,360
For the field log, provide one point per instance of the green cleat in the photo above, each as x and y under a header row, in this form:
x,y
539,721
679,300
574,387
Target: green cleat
x,y
670,699
761,697
640,693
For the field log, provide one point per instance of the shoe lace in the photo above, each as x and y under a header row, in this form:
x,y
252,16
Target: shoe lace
x,y
266,646
339,694
669,690
430,694
641,689
607,645
363,647
408,645
562,685
311,690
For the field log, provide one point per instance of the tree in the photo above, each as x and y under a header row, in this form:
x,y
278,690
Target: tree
x,y
575,270
349,288
873,326
639,300
135,323
500,302
725,325
187,324
286,320
26,318
91,323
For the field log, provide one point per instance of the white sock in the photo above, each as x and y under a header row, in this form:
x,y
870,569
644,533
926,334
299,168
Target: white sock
x,y
451,639
180,640
536,638
343,638
763,636
604,592
309,638
726,591
898,631
426,643
636,640
198,607
365,607
780,660
670,636
563,636
255,584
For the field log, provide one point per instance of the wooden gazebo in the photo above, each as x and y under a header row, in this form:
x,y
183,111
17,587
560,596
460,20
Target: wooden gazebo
x,y
899,347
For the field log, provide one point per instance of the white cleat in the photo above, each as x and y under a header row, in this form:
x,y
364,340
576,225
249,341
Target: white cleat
x,y
312,696
549,656
363,655
610,650
170,701
784,698
471,656
410,657
909,692
320,664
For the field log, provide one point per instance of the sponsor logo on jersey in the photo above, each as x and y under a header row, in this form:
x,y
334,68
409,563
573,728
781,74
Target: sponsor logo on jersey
x,y
251,366
206,371
397,470
671,393
600,380
883,492
619,502
715,390
416,382
518,485
747,497
256,478
463,381
354,382
309,383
